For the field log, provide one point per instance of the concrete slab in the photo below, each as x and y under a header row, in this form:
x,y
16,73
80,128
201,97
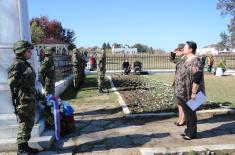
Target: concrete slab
x,y
167,150
45,141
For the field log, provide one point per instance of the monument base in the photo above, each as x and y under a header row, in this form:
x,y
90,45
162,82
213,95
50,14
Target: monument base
x,y
44,142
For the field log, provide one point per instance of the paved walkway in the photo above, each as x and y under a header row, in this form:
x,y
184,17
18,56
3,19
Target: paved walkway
x,y
104,130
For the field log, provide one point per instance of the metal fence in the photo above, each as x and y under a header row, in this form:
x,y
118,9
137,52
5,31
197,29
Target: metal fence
x,y
152,61
63,66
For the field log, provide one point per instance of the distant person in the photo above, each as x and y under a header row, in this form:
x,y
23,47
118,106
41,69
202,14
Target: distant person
x,y
86,58
126,67
203,59
92,62
77,68
101,69
191,75
83,68
178,58
137,67
210,63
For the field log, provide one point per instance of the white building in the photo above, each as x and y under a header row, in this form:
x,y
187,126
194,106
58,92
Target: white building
x,y
212,49
124,50
207,50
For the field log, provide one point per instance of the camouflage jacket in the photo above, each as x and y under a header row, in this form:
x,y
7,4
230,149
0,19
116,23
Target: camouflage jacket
x,y
101,62
47,70
178,61
77,61
21,78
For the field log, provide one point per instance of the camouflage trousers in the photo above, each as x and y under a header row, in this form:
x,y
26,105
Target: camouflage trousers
x,y
101,80
77,79
49,88
25,115
76,82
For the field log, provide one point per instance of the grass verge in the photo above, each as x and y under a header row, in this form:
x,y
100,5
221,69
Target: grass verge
x,y
88,94
218,89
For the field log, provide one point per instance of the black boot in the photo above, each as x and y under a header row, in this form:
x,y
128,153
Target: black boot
x,y
101,90
31,150
22,149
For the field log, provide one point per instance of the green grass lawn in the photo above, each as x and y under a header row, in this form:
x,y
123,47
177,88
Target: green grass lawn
x,y
89,94
218,89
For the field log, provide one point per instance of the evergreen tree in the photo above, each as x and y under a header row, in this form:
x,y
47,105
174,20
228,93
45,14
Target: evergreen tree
x,y
108,46
104,46
227,7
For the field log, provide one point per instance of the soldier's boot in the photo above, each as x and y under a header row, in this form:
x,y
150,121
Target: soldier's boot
x,y
22,149
101,90
31,150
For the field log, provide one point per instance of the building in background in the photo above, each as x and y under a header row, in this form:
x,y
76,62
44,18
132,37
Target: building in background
x,y
210,49
124,50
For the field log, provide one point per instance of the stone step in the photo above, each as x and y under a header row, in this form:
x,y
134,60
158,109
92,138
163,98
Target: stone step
x,y
10,131
45,141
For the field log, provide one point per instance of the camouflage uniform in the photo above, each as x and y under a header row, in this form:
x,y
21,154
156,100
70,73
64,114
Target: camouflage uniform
x,y
101,63
47,71
77,68
21,78
83,67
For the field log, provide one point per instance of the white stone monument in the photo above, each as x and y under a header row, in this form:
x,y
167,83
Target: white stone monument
x,y
14,26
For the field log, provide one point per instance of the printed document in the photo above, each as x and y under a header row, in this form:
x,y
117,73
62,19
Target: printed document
x,y
200,99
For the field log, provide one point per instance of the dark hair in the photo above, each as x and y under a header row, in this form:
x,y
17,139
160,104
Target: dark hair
x,y
192,45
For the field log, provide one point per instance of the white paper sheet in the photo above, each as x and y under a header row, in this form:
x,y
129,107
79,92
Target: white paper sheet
x,y
200,99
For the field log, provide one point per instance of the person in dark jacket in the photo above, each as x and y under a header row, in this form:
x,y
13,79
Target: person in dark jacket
x,y
126,67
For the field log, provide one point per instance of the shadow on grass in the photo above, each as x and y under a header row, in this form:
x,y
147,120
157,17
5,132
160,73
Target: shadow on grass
x,y
90,83
69,93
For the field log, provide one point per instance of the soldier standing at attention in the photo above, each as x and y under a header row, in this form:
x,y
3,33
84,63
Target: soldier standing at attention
x,y
83,68
101,62
47,71
21,78
77,68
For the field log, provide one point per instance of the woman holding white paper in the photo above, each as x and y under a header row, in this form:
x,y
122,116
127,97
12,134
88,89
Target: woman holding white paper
x,y
192,81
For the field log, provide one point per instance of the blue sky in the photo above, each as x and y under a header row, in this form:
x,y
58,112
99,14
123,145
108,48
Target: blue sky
x,y
157,23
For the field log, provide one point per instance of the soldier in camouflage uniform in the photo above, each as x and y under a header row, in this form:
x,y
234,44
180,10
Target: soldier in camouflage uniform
x,y
21,78
47,71
101,63
77,68
83,68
